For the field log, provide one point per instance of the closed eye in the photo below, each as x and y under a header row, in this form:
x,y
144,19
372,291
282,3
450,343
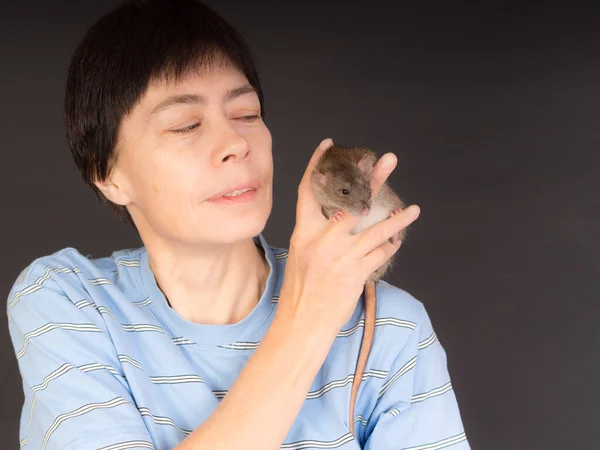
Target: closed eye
x,y
248,118
192,127
186,129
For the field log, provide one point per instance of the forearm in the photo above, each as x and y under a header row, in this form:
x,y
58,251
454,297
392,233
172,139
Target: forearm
x,y
262,404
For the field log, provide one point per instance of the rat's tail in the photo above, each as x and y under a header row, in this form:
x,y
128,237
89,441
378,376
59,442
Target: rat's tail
x,y
365,347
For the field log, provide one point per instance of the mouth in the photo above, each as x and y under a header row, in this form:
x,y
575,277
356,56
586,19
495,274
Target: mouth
x,y
238,193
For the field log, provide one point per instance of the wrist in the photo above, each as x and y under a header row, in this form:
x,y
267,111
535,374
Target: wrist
x,y
308,341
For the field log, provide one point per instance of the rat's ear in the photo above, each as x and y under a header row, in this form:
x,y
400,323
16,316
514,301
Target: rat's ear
x,y
366,165
319,179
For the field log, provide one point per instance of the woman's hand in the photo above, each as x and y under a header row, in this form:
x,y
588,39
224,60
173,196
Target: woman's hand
x,y
327,267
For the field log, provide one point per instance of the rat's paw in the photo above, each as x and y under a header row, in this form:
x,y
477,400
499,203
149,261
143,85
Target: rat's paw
x,y
396,211
338,215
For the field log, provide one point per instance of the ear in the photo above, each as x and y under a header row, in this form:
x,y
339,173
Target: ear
x,y
319,179
366,165
112,191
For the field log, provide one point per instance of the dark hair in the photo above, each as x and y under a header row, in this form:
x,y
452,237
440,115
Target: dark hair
x,y
139,42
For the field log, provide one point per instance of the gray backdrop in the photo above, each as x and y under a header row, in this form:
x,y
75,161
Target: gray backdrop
x,y
493,113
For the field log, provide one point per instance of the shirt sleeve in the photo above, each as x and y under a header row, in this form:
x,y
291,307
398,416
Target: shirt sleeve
x,y
76,395
417,407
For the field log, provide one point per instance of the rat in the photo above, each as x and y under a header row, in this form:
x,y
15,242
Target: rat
x,y
341,182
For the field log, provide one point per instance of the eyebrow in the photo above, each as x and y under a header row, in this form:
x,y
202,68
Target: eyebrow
x,y
195,99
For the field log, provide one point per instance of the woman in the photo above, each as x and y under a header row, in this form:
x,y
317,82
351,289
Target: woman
x,y
207,337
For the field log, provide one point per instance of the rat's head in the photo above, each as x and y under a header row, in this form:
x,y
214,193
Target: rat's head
x,y
345,184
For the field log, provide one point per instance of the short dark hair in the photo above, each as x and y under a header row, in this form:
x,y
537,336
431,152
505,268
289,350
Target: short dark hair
x,y
133,45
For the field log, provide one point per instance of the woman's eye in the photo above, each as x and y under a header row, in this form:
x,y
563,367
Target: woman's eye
x,y
248,118
186,129
192,127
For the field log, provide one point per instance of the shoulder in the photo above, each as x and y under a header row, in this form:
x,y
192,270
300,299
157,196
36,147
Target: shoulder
x,y
42,272
402,326
72,260
66,274
395,302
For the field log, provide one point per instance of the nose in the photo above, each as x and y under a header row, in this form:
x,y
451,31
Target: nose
x,y
365,210
228,144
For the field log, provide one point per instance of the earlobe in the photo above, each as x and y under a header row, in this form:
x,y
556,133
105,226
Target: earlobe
x,y
112,191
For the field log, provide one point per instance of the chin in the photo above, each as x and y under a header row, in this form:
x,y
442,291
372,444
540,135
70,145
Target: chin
x,y
234,223
235,229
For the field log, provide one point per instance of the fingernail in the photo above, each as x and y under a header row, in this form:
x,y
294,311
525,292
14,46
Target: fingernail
x,y
388,161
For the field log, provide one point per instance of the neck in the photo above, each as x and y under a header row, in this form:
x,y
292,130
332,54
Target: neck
x,y
215,285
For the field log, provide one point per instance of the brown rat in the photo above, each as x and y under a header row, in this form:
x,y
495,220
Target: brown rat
x,y
341,180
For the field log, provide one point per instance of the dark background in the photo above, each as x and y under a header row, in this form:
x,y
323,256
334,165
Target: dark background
x,y
492,109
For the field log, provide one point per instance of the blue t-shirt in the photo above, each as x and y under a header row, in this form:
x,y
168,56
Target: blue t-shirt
x,y
107,364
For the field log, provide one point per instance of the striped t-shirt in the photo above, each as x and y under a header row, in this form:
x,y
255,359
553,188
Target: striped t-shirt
x,y
107,364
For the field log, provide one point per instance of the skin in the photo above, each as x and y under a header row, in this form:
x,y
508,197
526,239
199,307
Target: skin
x,y
197,250
203,255
206,264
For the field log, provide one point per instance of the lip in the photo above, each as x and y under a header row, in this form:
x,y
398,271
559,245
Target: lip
x,y
252,184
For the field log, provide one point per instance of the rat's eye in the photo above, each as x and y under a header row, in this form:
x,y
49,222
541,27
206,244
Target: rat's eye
x,y
345,191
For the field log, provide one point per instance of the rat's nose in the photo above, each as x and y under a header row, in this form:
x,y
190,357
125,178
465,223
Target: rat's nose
x,y
365,211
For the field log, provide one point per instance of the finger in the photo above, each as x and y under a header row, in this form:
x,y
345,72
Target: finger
x,y
344,225
324,145
378,256
381,171
373,236
307,203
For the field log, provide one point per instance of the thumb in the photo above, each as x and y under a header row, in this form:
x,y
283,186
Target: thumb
x,y
382,169
308,206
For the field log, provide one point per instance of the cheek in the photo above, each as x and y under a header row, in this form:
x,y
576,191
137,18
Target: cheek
x,y
263,144
166,183
267,163
258,135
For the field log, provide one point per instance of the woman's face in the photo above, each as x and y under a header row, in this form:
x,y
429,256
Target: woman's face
x,y
183,144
